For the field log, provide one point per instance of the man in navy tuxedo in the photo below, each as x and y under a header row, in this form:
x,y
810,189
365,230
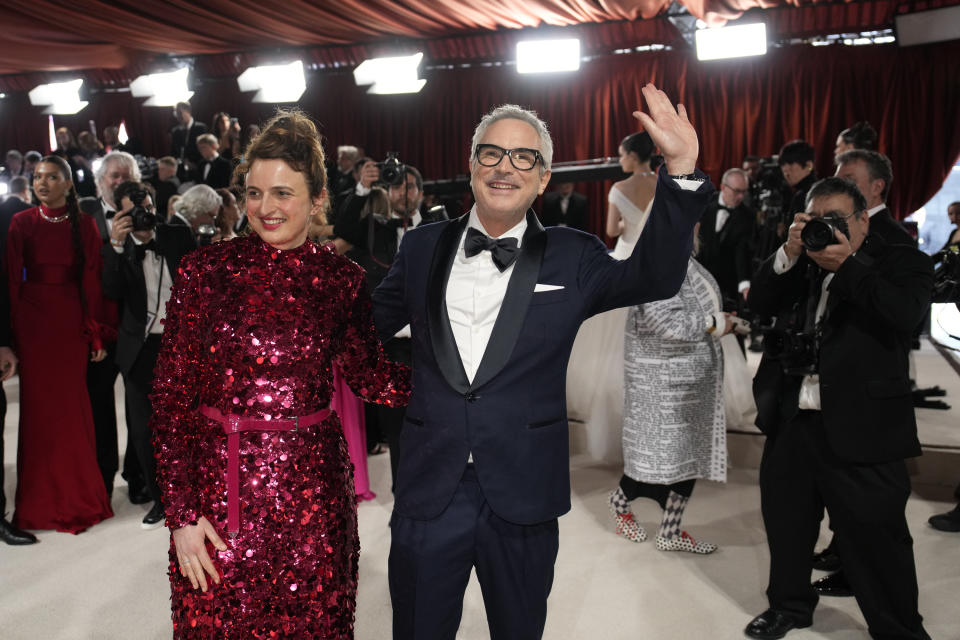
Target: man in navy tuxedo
x,y
494,302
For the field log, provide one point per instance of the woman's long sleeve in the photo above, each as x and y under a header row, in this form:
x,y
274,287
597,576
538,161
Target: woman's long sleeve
x,y
175,422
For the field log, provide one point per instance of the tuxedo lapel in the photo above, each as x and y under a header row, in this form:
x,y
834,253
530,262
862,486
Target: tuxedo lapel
x,y
441,335
513,311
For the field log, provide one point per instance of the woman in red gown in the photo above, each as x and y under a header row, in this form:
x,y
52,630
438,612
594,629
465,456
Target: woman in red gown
x,y
53,268
246,444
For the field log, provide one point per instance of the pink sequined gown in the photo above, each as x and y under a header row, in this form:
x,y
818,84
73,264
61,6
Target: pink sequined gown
x,y
255,331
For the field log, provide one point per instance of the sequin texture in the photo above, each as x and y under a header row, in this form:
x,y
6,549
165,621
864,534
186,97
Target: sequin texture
x,y
254,331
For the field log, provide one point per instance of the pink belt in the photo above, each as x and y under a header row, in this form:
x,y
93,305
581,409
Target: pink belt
x,y
232,426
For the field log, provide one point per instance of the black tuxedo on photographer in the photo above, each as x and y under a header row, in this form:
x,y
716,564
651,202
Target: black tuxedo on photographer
x,y
141,276
844,450
375,242
102,376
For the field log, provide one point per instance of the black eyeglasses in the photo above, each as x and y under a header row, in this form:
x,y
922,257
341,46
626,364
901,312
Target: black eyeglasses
x,y
734,189
490,155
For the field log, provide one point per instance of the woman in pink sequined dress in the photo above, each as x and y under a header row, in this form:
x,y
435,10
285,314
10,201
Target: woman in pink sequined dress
x,y
257,481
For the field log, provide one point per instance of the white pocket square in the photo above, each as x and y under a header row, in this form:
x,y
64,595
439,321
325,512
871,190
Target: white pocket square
x,y
546,287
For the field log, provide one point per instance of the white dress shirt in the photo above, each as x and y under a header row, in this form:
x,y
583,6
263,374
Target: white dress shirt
x,y
156,278
475,292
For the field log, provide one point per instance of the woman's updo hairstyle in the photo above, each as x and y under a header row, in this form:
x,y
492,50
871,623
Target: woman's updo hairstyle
x,y
292,137
640,144
861,136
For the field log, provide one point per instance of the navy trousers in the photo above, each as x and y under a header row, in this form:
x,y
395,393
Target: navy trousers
x,y
431,560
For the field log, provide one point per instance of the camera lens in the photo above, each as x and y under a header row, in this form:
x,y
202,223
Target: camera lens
x,y
817,234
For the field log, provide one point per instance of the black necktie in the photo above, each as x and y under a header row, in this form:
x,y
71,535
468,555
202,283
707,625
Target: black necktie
x,y
142,249
503,250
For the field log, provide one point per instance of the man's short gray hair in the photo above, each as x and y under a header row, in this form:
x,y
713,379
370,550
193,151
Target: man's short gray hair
x,y
516,112
116,157
734,171
197,200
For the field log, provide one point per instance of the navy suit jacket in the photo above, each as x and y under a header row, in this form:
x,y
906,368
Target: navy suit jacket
x,y
513,416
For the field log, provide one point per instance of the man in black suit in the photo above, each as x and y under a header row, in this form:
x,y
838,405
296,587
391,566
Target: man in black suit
x,y
840,423
873,175
494,302
165,185
116,168
183,140
726,236
16,201
796,162
375,240
565,208
139,265
214,170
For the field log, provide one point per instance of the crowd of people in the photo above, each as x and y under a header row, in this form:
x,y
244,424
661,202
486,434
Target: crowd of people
x,y
245,364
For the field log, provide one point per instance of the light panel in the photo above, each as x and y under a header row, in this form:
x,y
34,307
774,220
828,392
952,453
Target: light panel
x,y
398,74
162,89
58,97
274,83
548,56
732,42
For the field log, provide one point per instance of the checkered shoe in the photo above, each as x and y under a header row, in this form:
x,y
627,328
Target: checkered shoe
x,y
629,528
626,525
684,543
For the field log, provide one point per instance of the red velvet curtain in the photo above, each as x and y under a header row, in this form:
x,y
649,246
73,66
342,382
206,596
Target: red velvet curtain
x,y
741,106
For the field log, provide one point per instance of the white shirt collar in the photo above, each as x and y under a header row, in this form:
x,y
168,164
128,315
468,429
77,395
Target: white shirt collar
x,y
873,210
516,231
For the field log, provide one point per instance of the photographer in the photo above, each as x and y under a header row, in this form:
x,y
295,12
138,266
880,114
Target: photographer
x,y
834,400
796,163
138,267
375,241
198,209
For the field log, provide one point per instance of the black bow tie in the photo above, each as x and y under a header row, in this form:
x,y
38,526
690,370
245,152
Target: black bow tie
x,y
142,249
503,250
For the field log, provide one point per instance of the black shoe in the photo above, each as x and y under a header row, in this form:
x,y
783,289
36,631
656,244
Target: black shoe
x,y
772,624
154,517
140,495
12,535
826,560
834,585
949,521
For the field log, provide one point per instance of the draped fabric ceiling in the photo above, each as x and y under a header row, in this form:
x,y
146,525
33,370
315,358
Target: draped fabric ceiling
x,y
910,95
49,35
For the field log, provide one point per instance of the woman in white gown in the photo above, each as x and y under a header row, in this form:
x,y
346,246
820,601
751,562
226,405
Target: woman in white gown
x,y
595,371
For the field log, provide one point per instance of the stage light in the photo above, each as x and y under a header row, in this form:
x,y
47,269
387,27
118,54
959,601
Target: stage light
x,y
390,75
732,42
59,97
122,133
274,83
162,89
548,56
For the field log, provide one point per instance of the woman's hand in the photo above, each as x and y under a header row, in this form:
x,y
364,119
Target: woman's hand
x,y
97,355
192,556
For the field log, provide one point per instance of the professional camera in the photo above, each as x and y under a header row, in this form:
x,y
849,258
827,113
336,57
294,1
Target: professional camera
x,y
796,350
818,233
768,189
392,171
143,220
205,233
946,277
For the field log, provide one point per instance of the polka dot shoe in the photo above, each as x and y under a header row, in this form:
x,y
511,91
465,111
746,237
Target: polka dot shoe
x,y
684,543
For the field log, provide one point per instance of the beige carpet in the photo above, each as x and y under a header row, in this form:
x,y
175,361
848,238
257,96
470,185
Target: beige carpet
x,y
110,582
